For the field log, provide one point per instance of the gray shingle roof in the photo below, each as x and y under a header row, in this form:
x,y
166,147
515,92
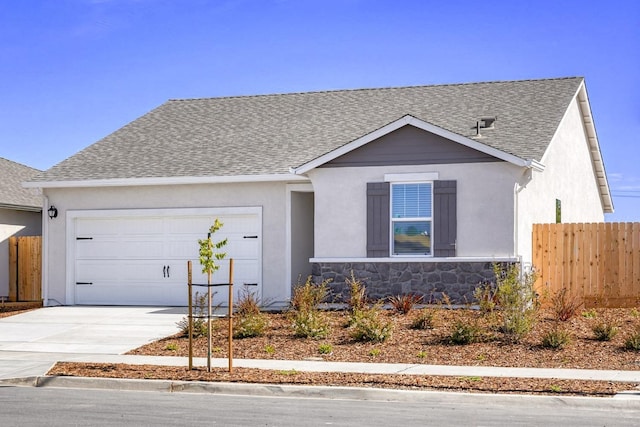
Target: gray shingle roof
x,y
268,134
12,175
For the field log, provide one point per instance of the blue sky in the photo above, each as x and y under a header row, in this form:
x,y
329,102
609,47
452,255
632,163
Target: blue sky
x,y
73,71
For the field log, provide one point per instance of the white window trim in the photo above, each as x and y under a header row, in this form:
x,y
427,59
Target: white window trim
x,y
406,178
392,219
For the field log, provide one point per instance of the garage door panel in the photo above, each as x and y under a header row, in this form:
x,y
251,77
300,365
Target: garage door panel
x,y
187,225
244,271
119,271
238,224
242,248
141,293
120,226
117,249
237,247
183,249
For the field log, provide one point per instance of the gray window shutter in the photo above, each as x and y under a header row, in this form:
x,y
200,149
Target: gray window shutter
x,y
444,218
378,199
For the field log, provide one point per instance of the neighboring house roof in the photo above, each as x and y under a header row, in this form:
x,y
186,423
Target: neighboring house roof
x,y
12,194
271,134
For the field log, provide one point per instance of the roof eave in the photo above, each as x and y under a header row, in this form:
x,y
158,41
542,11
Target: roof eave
x,y
594,149
183,180
26,208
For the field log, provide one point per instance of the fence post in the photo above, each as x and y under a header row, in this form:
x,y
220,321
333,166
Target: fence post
x,y
189,282
230,315
13,269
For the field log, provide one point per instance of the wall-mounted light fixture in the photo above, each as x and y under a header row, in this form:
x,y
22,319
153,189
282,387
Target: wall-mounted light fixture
x,y
53,212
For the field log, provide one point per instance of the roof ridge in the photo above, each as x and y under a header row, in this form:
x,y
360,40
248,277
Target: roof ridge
x,y
266,95
19,164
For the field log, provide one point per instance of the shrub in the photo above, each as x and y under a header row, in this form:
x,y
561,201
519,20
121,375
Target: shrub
x,y
250,321
517,299
199,317
269,349
368,325
633,340
307,320
325,348
590,314
310,324
250,325
248,302
309,295
357,293
605,331
556,338
464,333
404,303
565,306
485,296
424,319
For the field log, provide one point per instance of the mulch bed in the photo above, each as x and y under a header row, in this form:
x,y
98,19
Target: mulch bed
x,y
406,345
430,346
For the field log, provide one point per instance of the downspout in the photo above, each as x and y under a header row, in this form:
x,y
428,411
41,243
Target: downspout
x,y
517,188
45,252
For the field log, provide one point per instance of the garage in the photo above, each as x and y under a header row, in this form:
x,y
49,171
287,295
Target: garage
x,y
139,257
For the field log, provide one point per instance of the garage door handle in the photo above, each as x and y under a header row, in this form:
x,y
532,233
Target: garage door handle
x,y
164,271
168,271
84,283
250,237
84,238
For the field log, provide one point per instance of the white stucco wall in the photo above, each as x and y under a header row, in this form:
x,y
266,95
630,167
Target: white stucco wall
x,y
14,223
568,176
485,207
270,196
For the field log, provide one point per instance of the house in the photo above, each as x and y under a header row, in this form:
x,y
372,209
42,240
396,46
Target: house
x,y
20,212
414,189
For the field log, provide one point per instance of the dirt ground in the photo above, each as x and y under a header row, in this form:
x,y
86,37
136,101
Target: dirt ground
x,y
406,345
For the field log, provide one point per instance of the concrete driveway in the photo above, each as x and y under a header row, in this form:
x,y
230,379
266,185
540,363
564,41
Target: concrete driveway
x,y
33,340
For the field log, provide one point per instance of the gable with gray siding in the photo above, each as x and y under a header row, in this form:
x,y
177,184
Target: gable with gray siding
x,y
410,146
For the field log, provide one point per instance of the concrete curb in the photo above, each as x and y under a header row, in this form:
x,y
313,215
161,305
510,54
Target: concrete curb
x,y
626,400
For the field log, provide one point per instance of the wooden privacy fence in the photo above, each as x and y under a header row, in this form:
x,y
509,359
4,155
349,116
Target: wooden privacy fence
x,y
598,263
25,268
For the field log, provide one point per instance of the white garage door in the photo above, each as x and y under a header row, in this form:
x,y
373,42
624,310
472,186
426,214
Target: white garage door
x,y
140,257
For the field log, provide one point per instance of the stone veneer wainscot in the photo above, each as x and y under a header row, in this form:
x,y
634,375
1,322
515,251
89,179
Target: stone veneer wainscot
x,y
457,279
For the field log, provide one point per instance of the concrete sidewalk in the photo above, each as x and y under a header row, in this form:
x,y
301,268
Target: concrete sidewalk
x,y
371,368
29,364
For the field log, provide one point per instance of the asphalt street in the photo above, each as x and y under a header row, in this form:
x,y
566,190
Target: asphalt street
x,y
21,406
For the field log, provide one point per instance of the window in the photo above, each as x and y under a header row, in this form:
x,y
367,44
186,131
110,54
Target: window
x,y
411,218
